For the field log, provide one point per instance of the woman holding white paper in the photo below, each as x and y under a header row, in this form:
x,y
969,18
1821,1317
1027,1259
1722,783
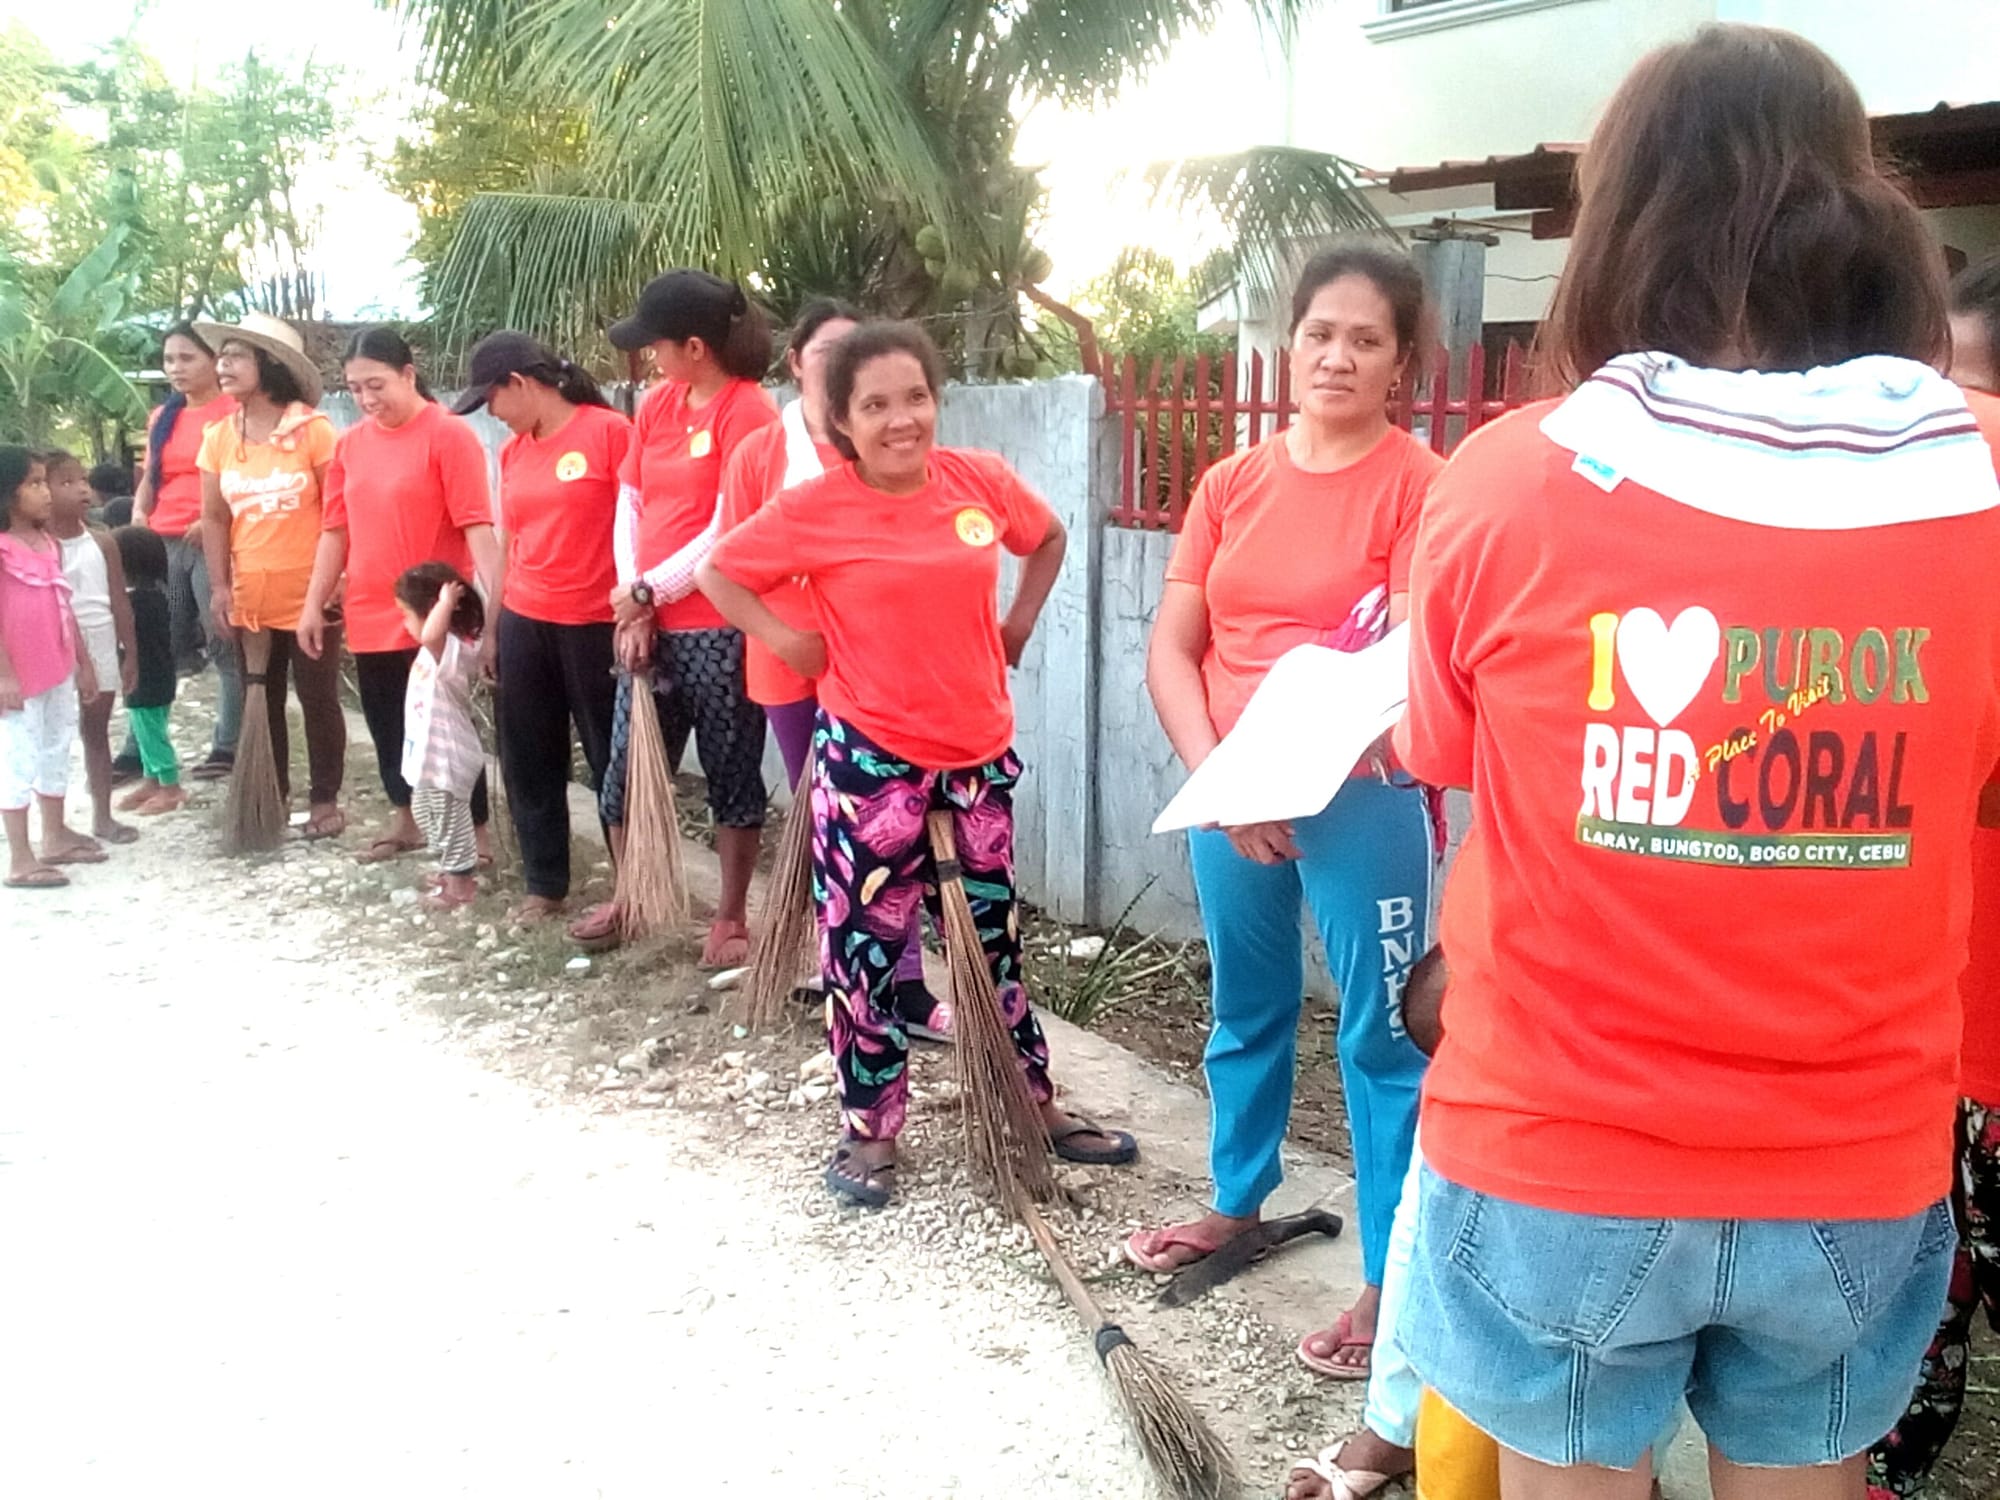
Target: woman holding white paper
x,y
1306,538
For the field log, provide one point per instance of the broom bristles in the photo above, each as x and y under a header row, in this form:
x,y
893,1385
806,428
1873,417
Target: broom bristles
x,y
651,893
253,809
786,943
1005,1138
1183,1450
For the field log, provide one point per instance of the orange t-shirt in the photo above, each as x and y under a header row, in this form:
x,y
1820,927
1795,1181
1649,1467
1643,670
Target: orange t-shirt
x,y
906,587
1282,555
404,495
753,477
1707,931
177,485
676,464
558,503
273,492
1979,1056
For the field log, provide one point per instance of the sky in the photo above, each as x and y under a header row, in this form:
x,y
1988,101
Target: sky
x,y
1092,160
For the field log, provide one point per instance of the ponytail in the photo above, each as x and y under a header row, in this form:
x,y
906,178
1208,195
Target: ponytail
x,y
573,383
745,351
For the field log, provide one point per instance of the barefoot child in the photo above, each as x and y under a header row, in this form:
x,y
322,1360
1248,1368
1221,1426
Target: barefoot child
x,y
44,672
97,599
147,701
442,757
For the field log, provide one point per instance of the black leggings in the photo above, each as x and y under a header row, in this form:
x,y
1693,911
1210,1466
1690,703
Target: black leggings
x,y
384,678
551,676
317,684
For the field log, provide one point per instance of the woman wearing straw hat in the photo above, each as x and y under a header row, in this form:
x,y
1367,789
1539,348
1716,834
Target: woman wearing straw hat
x,y
901,550
263,476
407,485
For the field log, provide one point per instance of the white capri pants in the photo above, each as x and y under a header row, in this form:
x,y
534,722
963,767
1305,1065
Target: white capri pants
x,y
34,746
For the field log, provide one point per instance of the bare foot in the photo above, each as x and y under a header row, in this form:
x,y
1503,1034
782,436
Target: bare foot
x,y
450,893
108,830
142,791
167,799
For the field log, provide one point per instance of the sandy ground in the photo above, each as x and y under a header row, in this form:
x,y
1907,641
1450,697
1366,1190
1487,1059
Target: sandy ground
x,y
266,1233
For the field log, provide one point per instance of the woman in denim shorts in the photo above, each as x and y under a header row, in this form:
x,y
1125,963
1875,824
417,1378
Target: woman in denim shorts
x,y
1713,641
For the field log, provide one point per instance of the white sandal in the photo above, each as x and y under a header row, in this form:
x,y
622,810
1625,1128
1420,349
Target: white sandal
x,y
1348,1484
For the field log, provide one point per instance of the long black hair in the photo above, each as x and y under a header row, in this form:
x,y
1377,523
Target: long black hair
x,y
386,346
420,586
16,464
276,379
176,402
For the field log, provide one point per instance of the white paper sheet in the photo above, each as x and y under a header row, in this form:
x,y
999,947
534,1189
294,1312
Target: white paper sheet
x,y
1306,728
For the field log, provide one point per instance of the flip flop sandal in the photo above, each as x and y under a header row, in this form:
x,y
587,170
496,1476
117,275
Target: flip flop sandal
x,y
215,768
43,879
1348,1484
379,851
1155,1260
1123,1150
329,827
596,931
89,854
727,946
438,901
170,799
120,835
925,1018
861,1190
1341,1336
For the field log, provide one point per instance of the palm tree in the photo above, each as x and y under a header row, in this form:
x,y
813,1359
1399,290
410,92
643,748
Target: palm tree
x,y
864,148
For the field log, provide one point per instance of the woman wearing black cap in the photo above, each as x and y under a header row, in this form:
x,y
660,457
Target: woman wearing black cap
x,y
553,652
710,346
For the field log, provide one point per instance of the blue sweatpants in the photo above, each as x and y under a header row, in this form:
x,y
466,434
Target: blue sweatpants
x,y
1366,877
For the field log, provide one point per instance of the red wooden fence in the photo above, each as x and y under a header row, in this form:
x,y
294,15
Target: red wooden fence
x,y
1175,419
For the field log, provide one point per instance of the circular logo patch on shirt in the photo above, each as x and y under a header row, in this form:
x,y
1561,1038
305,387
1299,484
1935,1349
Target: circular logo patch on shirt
x,y
700,444
975,527
572,465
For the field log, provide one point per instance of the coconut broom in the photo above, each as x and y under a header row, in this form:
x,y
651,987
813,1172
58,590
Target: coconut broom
x,y
786,943
253,809
1190,1461
651,893
1006,1139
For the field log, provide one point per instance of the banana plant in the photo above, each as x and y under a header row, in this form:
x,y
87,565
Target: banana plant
x,y
56,351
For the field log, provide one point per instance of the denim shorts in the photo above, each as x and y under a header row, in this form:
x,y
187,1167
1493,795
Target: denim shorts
x,y
1571,1338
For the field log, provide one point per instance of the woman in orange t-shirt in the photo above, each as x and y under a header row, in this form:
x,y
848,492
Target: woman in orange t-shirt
x,y
263,477
1713,642
169,501
552,651
1306,539
710,346
900,550
408,485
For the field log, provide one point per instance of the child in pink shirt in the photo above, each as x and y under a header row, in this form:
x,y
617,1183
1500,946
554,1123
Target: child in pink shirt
x,y
45,673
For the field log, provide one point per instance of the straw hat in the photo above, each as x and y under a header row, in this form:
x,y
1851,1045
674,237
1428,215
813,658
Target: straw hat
x,y
276,338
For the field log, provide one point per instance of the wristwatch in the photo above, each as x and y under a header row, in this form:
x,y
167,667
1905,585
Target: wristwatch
x,y
642,593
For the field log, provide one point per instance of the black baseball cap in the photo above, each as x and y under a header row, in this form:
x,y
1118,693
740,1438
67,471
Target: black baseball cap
x,y
681,305
494,359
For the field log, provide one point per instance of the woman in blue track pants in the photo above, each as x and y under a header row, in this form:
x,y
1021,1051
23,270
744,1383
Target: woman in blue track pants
x,y
1305,539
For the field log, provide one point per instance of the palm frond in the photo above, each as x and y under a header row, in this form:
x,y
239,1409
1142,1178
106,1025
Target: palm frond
x,y
1080,54
560,265
711,109
1274,200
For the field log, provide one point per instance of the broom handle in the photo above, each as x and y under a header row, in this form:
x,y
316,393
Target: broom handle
x,y
1065,1274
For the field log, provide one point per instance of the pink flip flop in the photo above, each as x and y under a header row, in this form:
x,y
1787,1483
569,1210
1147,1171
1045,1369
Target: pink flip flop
x,y
1341,1335
1163,1240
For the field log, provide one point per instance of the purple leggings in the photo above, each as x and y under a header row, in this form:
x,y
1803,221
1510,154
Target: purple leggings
x,y
792,727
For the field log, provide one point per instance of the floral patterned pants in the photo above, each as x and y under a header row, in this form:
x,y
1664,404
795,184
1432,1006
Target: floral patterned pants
x,y
871,866
1903,1460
